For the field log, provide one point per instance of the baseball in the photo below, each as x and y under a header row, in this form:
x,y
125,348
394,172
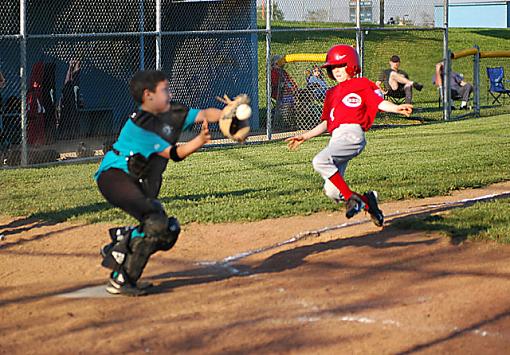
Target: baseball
x,y
243,112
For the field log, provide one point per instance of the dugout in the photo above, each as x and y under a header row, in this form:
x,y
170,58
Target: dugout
x,y
207,49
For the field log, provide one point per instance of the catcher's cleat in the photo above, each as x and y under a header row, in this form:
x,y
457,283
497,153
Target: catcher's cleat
x,y
105,249
354,206
373,208
125,289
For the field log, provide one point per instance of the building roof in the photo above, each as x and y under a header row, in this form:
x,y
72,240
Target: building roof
x,y
472,2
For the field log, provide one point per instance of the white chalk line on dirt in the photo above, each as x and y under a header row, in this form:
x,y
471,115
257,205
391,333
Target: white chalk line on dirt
x,y
396,324
225,262
99,292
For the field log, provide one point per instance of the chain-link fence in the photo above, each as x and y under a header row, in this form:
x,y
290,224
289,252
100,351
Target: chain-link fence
x,y
488,73
77,56
67,64
383,29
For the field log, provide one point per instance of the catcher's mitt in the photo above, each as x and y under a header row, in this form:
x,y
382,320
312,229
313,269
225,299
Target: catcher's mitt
x,y
232,126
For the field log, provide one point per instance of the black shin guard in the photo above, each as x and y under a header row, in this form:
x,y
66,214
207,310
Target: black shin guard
x,y
129,255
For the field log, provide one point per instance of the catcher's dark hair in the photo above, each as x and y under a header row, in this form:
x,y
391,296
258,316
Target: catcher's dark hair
x,y
145,80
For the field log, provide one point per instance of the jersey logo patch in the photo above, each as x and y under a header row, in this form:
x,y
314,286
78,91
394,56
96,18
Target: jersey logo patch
x,y
332,114
352,100
167,130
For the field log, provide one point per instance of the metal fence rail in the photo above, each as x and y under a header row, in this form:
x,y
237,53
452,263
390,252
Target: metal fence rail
x,y
67,63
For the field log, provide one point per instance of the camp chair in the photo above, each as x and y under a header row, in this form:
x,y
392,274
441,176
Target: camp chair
x,y
496,87
453,97
394,99
397,97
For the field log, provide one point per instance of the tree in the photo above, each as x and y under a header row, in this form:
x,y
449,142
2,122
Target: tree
x,y
316,15
276,14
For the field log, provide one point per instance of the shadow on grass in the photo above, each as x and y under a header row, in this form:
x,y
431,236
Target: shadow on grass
x,y
65,214
198,197
499,34
436,223
433,223
43,219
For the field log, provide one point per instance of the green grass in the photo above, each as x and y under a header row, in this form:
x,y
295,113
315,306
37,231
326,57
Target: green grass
x,y
260,181
482,221
419,52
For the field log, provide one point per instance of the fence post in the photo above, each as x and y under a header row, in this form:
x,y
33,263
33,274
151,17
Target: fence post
x,y
476,81
142,39
269,130
381,13
447,56
23,81
359,34
158,35
361,51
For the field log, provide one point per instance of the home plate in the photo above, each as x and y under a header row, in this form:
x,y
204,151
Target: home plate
x,y
88,292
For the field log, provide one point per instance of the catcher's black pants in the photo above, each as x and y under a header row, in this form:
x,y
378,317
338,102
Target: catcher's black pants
x,y
127,193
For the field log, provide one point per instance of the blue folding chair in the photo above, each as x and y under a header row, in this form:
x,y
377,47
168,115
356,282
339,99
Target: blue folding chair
x,y
496,87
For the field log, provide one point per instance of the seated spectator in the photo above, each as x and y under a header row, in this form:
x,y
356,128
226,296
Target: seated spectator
x,y
283,87
459,89
281,82
315,81
395,83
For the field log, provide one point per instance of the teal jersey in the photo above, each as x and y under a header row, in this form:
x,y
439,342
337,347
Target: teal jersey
x,y
134,139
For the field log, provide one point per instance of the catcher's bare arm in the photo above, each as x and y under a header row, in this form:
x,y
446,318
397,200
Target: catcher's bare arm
x,y
211,114
192,146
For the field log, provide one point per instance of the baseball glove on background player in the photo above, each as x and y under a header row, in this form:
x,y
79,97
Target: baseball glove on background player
x,y
233,124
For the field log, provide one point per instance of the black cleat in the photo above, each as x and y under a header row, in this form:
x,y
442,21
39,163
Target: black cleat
x,y
126,289
354,206
417,86
373,208
105,249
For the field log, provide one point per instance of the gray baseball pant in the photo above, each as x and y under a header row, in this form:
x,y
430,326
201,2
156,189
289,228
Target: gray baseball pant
x,y
347,141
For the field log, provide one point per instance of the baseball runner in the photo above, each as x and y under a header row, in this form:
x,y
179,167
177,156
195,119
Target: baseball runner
x,y
349,111
130,174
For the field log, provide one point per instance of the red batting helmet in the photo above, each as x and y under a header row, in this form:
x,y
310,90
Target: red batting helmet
x,y
342,54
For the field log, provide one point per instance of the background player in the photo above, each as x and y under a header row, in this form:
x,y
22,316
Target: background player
x,y
349,111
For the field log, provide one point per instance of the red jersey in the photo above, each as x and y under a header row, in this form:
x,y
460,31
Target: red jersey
x,y
351,101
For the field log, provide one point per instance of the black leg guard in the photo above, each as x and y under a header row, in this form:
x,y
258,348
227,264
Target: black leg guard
x,y
115,233
116,252
129,256
162,231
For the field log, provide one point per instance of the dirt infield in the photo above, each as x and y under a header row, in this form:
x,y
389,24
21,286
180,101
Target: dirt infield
x,y
261,287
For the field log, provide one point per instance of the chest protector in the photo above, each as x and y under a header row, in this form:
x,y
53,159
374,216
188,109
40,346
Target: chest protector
x,y
167,125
